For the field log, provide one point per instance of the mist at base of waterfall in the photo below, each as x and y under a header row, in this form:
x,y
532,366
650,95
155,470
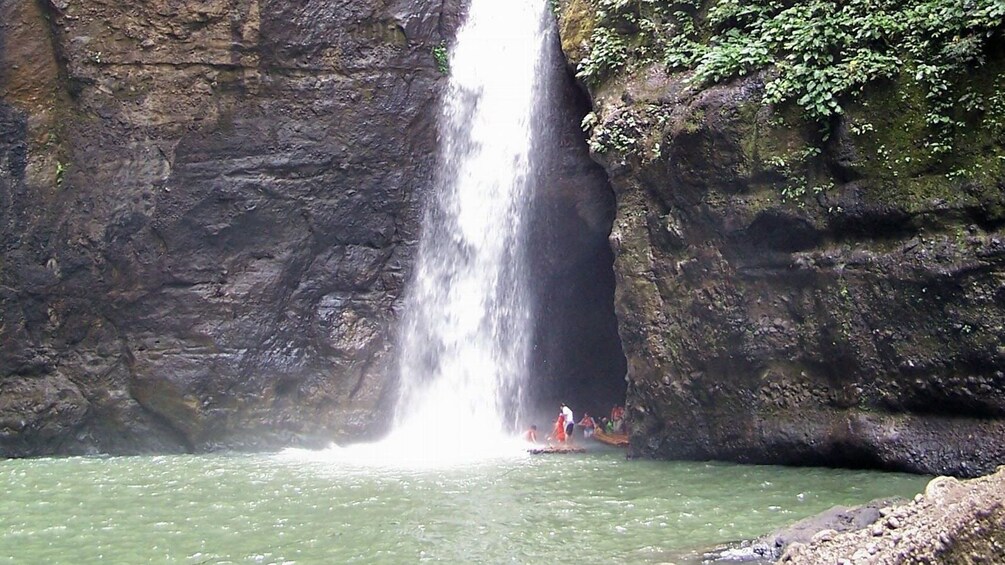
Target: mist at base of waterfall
x,y
412,448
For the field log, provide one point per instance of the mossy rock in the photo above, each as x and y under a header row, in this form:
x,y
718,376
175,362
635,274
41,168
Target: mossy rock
x,y
577,19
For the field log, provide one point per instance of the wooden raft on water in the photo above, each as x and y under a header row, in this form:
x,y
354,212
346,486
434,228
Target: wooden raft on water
x,y
555,449
617,440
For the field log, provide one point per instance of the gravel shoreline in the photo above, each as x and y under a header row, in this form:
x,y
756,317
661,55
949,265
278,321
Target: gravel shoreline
x,y
953,522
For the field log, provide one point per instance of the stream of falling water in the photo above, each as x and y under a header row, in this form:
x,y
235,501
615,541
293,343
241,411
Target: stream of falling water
x,y
467,326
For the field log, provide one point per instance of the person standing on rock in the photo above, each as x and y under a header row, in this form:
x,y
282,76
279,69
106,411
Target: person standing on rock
x,y
570,422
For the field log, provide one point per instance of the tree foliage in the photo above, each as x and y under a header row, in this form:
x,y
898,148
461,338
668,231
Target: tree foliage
x,y
818,53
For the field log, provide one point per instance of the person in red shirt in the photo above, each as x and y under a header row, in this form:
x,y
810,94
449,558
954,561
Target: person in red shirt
x,y
588,425
558,434
617,417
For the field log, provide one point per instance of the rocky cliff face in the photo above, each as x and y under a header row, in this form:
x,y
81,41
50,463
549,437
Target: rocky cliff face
x,y
208,212
785,298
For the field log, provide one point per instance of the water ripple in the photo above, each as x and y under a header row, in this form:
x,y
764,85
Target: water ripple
x,y
267,509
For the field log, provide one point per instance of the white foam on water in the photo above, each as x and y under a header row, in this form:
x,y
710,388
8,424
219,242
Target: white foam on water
x,y
389,454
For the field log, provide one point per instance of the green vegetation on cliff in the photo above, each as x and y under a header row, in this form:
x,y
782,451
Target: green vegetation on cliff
x,y
442,58
820,53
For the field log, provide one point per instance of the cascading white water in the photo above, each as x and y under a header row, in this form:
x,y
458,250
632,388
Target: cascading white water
x,y
466,332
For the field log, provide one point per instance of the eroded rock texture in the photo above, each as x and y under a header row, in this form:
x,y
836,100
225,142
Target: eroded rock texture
x,y
788,299
208,212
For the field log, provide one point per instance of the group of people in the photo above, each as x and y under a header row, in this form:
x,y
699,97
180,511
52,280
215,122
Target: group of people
x,y
566,423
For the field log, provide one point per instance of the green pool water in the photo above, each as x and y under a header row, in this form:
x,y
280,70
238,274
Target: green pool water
x,y
589,508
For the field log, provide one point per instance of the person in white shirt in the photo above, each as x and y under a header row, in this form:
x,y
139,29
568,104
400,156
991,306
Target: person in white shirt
x,y
570,422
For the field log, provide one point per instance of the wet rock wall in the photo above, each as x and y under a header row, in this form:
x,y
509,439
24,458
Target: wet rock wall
x,y
788,297
208,212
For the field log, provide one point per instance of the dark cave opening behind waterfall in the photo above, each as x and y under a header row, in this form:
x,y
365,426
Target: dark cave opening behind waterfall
x,y
576,356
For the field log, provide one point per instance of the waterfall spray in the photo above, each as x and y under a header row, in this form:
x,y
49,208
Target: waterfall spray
x,y
467,328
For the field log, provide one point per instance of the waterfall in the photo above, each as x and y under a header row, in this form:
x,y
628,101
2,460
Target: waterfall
x,y
466,331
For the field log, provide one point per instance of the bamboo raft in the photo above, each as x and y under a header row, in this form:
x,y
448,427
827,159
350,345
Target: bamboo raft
x,y
617,440
555,449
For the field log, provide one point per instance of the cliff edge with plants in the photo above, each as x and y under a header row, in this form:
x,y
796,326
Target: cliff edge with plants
x,y
810,230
